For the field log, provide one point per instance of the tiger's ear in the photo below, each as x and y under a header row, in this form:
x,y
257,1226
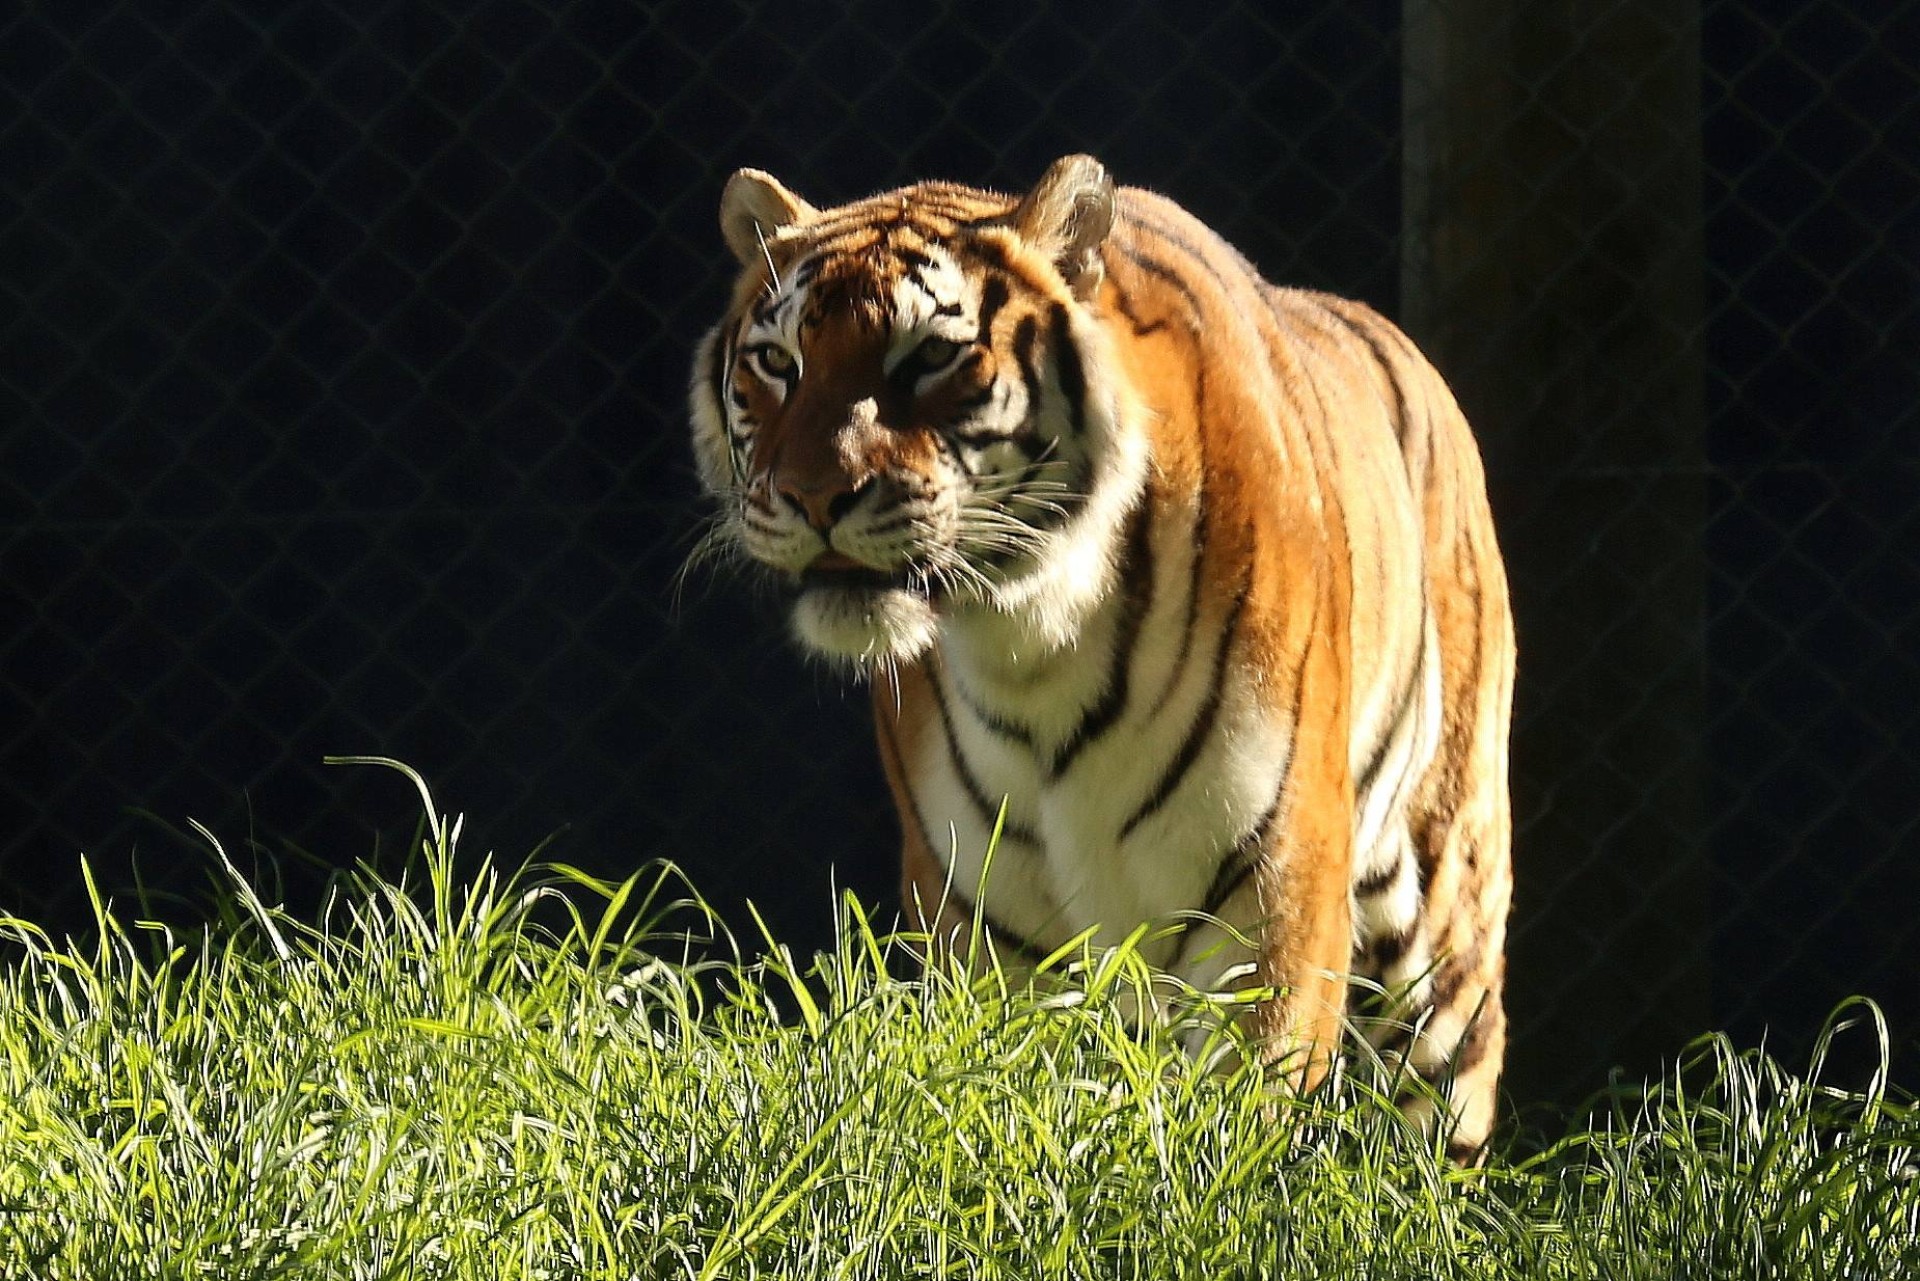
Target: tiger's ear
x,y
754,209
1066,216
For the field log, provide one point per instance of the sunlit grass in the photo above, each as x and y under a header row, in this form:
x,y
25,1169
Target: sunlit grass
x,y
480,1078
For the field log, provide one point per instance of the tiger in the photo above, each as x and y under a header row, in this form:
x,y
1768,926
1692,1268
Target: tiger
x,y
1183,583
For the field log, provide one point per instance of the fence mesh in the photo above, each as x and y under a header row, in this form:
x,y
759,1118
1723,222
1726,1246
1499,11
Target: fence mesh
x,y
344,355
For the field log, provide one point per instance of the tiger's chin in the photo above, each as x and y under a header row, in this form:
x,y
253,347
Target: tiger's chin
x,y
864,626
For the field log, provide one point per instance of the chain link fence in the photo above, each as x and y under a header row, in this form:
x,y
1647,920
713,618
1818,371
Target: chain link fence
x,y
344,354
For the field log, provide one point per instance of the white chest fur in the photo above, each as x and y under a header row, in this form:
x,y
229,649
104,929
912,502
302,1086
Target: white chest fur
x,y
1132,763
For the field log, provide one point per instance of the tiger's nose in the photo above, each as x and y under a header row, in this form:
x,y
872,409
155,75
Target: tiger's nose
x,y
823,505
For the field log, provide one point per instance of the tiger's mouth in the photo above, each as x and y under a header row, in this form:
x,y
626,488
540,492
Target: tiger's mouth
x,y
836,570
850,612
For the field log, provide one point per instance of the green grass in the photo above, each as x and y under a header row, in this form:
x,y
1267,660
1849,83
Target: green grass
x,y
480,1079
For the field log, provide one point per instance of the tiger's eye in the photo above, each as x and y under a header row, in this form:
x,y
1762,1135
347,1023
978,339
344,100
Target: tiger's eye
x,y
932,356
936,353
775,361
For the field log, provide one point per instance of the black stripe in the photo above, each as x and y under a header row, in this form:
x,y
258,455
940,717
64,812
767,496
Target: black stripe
x,y
1202,530
1241,859
1002,935
1144,217
1402,705
1463,1054
1029,445
979,400
1472,1046
916,262
1060,508
951,448
1067,368
1428,857
1136,570
1380,880
1012,731
838,221
1141,328
1191,623
722,374
1245,271
771,310
1019,943
1025,334
987,809
993,296
1233,870
915,279
805,270
994,253
950,204
1245,855
1202,726
981,435
887,524
770,303
1403,412
1171,277
1453,973
1383,951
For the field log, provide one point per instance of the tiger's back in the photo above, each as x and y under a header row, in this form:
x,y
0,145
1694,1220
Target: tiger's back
x,y
1194,573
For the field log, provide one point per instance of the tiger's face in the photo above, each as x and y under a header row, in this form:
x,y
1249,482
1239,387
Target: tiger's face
x,y
895,414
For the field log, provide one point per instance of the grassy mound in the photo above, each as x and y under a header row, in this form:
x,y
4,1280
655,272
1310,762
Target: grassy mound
x,y
482,1080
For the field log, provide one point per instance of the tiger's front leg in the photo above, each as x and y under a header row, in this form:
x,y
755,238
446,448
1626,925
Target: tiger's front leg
x,y
1305,947
926,895
1303,883
938,898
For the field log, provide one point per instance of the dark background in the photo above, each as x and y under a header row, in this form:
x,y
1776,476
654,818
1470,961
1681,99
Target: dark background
x,y
344,349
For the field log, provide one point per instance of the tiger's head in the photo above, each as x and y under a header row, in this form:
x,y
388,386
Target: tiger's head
x,y
910,411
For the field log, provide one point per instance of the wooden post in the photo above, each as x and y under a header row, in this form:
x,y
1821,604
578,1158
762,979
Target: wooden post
x,y
1552,267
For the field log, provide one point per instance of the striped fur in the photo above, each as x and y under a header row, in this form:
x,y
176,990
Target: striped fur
x,y
1195,572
